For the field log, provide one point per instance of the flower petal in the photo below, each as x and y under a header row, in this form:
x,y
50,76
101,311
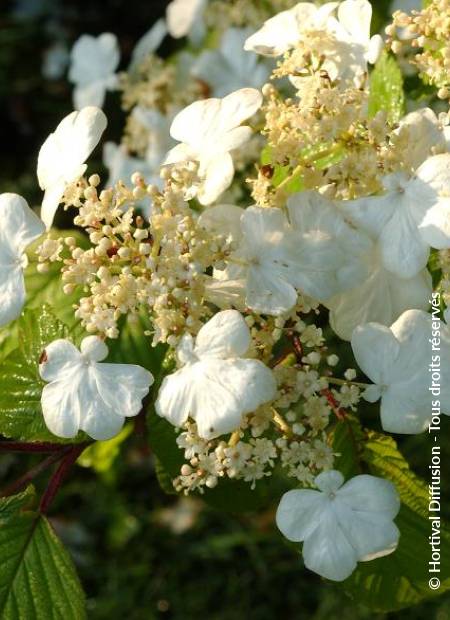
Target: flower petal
x,y
299,513
327,551
60,358
61,407
122,386
224,336
376,350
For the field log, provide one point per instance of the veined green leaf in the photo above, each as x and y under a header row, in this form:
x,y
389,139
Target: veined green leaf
x,y
386,88
37,576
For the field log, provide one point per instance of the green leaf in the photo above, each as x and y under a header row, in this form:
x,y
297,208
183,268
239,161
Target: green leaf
x,y
20,384
47,288
347,438
37,576
386,88
400,579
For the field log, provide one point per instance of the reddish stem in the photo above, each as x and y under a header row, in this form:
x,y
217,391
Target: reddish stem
x,y
58,477
19,446
15,486
338,412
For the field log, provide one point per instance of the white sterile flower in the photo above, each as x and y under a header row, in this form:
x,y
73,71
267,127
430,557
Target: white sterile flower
x,y
381,297
347,52
231,67
208,130
341,524
92,70
316,253
185,17
215,386
148,43
412,215
399,360
83,394
62,156
19,226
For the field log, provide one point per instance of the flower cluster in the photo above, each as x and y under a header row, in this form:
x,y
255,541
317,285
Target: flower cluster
x,y
351,206
425,32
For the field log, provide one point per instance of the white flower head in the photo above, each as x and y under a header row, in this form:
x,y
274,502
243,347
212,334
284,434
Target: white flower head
x,y
215,386
19,226
62,156
92,70
397,360
341,524
315,252
185,17
230,67
208,130
412,215
84,394
347,52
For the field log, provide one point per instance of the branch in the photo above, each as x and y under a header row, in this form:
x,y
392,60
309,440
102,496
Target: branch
x,y
58,477
34,446
15,486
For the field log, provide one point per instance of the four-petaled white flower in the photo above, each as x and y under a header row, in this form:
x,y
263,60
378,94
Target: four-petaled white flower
x,y
347,44
399,361
315,252
215,386
19,226
92,69
62,156
83,394
341,524
185,17
230,67
411,216
208,130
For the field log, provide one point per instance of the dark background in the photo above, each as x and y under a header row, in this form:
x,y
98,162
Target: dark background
x,y
122,530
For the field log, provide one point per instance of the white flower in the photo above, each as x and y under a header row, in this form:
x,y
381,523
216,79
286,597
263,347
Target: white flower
x,y
83,394
185,17
230,67
148,43
346,53
208,130
92,70
341,524
397,360
412,215
19,226
316,253
215,386
62,156
381,297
